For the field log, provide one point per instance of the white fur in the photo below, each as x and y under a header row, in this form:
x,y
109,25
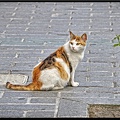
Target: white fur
x,y
74,58
51,78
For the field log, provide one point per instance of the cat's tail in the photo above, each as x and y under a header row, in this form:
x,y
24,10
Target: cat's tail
x,y
30,87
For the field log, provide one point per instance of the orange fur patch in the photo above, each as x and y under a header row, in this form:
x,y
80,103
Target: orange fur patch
x,y
62,72
60,53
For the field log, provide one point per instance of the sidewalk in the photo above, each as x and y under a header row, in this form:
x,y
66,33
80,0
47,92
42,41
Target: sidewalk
x,y
30,31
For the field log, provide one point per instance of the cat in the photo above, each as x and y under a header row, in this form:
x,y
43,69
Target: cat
x,y
58,69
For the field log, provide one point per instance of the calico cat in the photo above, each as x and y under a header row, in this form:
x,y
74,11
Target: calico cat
x,y
58,69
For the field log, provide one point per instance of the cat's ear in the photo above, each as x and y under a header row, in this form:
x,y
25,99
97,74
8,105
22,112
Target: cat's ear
x,y
84,37
72,36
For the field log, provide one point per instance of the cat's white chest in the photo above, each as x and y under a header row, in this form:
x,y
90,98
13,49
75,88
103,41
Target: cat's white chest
x,y
75,59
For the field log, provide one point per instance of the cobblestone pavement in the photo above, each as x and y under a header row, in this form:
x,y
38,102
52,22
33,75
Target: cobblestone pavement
x,y
30,31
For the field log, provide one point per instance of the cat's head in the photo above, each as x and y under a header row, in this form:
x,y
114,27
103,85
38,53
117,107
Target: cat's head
x,y
77,43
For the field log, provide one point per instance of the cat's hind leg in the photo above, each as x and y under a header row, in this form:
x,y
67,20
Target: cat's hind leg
x,y
47,87
58,88
51,87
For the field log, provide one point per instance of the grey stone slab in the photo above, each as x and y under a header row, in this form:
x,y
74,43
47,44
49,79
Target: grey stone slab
x,y
9,5
43,100
78,21
95,73
20,68
4,20
39,114
103,60
96,83
19,21
11,114
7,9
19,26
45,20
111,90
100,5
104,79
26,107
7,54
82,4
30,94
13,78
73,89
95,66
5,100
66,108
89,55
101,100
100,50
14,31
58,22
87,94
26,48
86,29
118,73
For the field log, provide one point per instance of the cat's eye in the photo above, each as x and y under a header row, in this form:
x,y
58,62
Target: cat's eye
x,y
77,43
71,43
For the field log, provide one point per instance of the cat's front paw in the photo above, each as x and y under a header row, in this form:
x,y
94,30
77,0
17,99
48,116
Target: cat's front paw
x,y
75,84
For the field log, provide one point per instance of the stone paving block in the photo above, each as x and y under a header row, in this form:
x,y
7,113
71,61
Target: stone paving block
x,y
13,93
117,96
26,107
70,89
11,4
65,108
19,21
87,94
96,83
95,74
39,114
58,22
112,90
41,20
11,113
94,100
104,79
15,26
46,100
95,66
102,60
12,100
13,78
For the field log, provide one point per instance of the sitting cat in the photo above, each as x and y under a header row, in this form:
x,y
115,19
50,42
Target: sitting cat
x,y
58,69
